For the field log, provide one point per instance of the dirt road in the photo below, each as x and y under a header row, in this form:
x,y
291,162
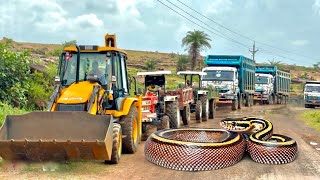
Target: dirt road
x,y
285,120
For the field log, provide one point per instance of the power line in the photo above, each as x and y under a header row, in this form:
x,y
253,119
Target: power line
x,y
226,37
241,34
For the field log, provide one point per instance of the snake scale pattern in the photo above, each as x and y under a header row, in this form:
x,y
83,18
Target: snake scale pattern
x,y
193,149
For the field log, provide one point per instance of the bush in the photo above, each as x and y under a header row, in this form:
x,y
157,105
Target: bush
x,y
14,72
182,63
151,64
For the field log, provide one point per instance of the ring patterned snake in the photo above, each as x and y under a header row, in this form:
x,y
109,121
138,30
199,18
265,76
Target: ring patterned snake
x,y
193,149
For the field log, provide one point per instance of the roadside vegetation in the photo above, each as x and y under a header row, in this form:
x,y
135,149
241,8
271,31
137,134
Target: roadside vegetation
x,y
312,118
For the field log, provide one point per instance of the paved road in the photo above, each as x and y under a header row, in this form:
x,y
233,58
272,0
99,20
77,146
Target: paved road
x,y
285,120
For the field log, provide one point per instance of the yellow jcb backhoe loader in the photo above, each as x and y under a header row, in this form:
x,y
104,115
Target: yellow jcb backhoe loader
x,y
91,115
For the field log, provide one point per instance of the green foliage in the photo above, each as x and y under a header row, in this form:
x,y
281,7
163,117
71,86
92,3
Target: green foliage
x,y
14,72
6,109
312,118
151,64
57,51
182,63
195,42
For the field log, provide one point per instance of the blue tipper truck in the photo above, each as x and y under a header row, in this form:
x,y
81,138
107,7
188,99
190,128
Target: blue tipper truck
x,y
272,85
233,77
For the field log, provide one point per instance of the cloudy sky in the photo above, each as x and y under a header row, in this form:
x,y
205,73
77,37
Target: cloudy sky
x,y
290,27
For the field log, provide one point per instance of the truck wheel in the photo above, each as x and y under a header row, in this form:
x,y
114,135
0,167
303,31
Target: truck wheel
x,y
247,101
240,102
234,105
306,106
198,111
116,145
173,111
270,99
130,129
186,115
252,101
205,108
165,122
212,109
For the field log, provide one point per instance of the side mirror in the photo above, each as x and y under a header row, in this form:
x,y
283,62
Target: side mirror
x,y
57,80
139,91
113,79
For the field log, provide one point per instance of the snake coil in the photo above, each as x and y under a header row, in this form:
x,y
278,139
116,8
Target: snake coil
x,y
193,149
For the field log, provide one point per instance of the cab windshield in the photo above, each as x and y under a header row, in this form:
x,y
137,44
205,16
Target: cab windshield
x,y
312,89
261,80
218,75
90,63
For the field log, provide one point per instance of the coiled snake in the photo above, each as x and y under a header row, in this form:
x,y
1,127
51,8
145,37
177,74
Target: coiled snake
x,y
192,149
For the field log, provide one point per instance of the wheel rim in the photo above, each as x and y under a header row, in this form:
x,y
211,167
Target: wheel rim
x,y
119,145
178,116
135,130
188,114
207,108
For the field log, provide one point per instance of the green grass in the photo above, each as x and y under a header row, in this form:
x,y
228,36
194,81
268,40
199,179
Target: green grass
x,y
6,109
312,118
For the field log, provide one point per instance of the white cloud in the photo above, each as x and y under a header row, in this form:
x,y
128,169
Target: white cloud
x,y
219,6
302,42
316,7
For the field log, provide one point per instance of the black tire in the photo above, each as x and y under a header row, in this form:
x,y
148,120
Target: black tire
x,y
270,99
173,111
186,115
198,111
205,108
234,105
212,109
165,122
116,145
130,131
247,101
240,102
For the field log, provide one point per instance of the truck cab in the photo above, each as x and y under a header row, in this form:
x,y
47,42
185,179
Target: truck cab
x,y
263,87
223,79
312,94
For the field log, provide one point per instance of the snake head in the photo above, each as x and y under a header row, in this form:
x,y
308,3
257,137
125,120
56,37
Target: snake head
x,y
236,124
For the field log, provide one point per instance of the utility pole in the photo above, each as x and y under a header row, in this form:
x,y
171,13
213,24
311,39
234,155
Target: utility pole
x,y
254,50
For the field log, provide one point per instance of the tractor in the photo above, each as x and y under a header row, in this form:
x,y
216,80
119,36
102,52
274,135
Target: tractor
x,y
203,104
158,108
90,114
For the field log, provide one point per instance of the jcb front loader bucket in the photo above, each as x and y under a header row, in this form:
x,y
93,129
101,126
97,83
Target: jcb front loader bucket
x,y
42,136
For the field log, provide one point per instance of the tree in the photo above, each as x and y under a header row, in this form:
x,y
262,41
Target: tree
x,y
195,42
182,63
57,51
151,64
274,62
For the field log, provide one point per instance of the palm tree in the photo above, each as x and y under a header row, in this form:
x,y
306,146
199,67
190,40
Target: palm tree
x,y
195,42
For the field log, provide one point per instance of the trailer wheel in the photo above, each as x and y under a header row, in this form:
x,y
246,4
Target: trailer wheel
x,y
198,111
234,105
212,109
186,115
165,122
205,108
116,145
130,129
173,111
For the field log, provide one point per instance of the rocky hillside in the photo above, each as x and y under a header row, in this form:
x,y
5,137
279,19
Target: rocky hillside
x,y
46,53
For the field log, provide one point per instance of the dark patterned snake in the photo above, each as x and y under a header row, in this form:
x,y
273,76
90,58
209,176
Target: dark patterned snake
x,y
193,149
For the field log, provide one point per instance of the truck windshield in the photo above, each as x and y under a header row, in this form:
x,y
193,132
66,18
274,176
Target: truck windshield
x,y
218,75
90,63
312,89
261,80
